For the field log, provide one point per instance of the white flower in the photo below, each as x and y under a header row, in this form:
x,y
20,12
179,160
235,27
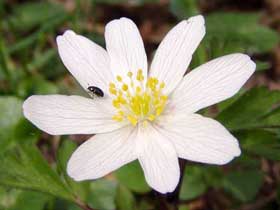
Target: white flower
x,y
149,116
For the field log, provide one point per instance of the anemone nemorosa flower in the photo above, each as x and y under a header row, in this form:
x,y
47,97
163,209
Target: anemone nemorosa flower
x,y
144,115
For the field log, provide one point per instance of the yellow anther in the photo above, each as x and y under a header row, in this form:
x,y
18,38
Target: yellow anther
x,y
145,123
112,85
119,78
138,77
163,97
132,119
117,118
152,117
113,91
159,110
129,74
121,113
138,89
124,87
116,103
138,102
155,81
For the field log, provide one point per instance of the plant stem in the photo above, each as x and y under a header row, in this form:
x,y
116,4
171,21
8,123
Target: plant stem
x,y
82,205
170,201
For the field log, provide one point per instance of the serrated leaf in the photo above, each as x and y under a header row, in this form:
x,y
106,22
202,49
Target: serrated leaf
x,y
249,108
24,167
260,142
243,185
231,32
26,200
132,176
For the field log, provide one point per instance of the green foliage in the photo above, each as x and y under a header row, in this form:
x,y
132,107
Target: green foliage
x,y
23,200
29,15
125,199
103,193
29,64
24,167
184,8
11,122
261,142
238,32
243,185
131,176
80,189
249,110
193,184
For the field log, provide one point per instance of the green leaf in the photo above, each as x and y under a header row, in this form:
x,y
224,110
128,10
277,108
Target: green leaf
x,y
271,119
125,199
243,185
24,167
225,37
131,176
260,142
10,112
80,189
35,85
29,41
27,200
184,8
262,65
245,112
28,15
102,195
193,183
10,116
184,207
42,59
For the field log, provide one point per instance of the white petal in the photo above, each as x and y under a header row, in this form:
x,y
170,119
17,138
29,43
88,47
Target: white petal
x,y
87,62
58,114
212,82
102,154
199,139
175,51
125,47
158,159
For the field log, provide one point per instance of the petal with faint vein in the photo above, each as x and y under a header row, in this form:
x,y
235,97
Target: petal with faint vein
x,y
59,114
199,139
175,51
87,62
158,159
125,47
102,154
211,83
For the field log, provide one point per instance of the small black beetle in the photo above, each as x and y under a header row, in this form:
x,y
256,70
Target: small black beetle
x,y
96,91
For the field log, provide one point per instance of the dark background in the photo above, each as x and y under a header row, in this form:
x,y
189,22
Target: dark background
x,y
32,163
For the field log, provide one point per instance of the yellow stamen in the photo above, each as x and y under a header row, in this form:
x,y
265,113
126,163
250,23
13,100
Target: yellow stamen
x,y
132,119
129,74
119,78
125,87
143,102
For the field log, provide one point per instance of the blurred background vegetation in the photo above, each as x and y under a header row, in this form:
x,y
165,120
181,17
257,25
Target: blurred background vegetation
x,y
32,163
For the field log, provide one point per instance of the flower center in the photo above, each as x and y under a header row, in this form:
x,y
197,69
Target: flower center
x,y
137,100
